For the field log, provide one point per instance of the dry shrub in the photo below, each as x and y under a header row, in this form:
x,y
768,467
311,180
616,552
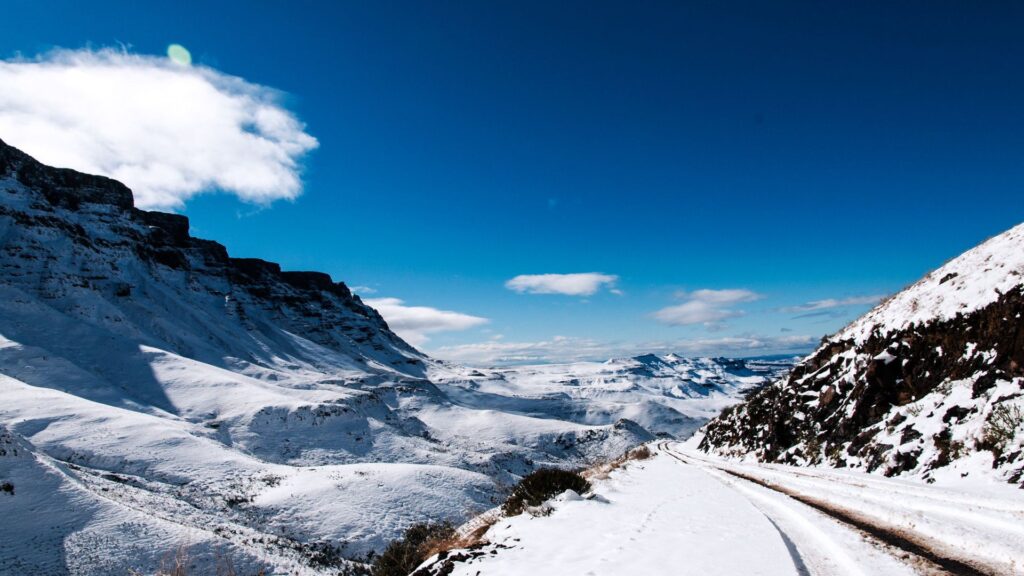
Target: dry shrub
x,y
640,453
173,565
1000,428
420,541
455,541
472,533
601,471
540,485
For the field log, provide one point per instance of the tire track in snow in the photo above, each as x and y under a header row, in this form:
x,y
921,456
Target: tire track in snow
x,y
918,498
885,537
918,492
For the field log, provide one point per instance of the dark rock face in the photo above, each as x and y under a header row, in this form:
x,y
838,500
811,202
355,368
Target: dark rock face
x,y
311,281
174,226
66,226
61,186
255,269
844,405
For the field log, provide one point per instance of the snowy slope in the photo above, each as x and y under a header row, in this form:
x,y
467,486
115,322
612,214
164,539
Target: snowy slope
x,y
63,517
930,383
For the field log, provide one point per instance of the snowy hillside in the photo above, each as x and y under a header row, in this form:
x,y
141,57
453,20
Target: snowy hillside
x,y
156,393
930,383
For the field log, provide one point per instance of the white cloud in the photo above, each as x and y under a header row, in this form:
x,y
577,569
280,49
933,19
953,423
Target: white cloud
x,y
830,303
582,284
708,307
694,312
169,131
414,323
363,290
746,345
566,349
722,297
555,349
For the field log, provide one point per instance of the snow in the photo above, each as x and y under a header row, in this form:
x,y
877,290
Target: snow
x,y
979,523
648,520
967,283
351,503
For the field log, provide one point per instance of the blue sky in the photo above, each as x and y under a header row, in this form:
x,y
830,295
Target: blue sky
x,y
729,165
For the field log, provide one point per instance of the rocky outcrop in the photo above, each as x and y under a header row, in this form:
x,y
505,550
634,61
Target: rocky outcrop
x,y
61,186
904,398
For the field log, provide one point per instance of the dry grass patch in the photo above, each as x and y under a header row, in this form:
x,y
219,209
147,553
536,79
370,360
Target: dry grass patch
x,y
421,542
457,541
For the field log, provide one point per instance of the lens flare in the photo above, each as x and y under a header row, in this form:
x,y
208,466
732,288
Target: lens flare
x,y
179,55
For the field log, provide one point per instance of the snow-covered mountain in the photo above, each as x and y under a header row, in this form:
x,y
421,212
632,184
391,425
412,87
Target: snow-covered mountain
x,y
929,383
156,392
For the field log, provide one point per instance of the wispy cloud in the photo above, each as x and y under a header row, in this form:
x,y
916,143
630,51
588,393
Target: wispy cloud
x,y
414,323
708,307
581,284
496,351
566,349
828,306
168,130
363,290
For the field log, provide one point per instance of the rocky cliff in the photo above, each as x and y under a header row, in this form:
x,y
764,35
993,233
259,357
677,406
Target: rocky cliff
x,y
67,236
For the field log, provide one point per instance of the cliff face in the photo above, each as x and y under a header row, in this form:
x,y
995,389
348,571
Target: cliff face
x,y
77,242
929,383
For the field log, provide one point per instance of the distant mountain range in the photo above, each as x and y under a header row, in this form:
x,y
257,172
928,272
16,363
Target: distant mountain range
x,y
156,392
668,395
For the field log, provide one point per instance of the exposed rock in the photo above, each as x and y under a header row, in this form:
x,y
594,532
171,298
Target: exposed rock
x,y
62,186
